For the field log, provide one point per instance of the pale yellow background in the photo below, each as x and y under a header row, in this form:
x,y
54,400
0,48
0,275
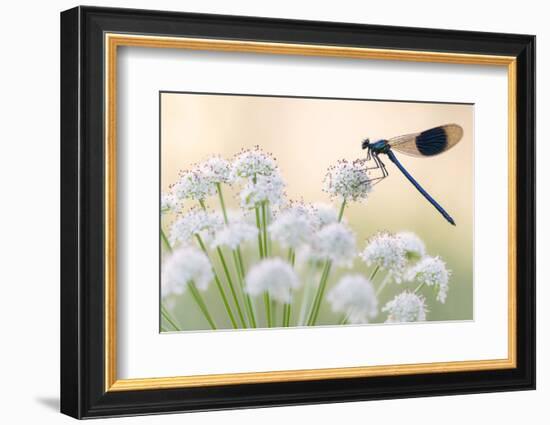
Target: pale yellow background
x,y
308,135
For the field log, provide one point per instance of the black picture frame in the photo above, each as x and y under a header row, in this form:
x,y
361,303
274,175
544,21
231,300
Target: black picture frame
x,y
83,392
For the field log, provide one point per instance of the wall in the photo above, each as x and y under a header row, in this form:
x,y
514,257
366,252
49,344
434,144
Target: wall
x,y
29,229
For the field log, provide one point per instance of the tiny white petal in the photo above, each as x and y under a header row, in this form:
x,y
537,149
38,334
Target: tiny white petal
x,y
251,163
324,213
414,246
348,180
334,242
355,297
432,271
386,251
274,276
291,229
263,189
216,169
234,234
406,307
183,266
195,222
168,203
194,184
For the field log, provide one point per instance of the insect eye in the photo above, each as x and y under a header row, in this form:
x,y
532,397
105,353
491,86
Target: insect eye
x,y
365,144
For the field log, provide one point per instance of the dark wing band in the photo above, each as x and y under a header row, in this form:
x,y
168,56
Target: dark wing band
x,y
429,142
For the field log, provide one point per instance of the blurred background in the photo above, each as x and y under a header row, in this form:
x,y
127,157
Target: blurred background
x,y
306,136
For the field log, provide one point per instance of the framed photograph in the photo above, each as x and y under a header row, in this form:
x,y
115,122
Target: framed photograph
x,y
261,212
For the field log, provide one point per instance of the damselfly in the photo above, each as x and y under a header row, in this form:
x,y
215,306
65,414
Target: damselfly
x,y
426,143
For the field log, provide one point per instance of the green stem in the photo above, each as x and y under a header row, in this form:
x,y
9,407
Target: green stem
x,y
320,293
237,258
165,240
267,305
383,284
200,302
307,294
373,274
418,288
167,316
341,213
344,319
222,203
286,315
324,279
264,228
259,226
218,285
231,286
291,256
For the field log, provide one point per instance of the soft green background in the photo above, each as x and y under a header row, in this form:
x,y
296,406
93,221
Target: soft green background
x,y
308,135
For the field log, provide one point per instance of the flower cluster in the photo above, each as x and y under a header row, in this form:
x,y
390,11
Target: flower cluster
x,y
274,276
348,180
386,251
186,265
274,253
263,189
251,163
406,307
234,234
355,297
195,222
432,271
292,228
336,243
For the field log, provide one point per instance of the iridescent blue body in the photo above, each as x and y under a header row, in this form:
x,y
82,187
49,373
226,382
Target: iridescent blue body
x,y
426,143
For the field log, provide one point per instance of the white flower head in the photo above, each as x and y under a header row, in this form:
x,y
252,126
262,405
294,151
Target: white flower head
x,y
432,271
274,276
194,184
335,242
183,266
264,189
386,251
251,163
195,222
234,234
414,246
216,169
324,214
292,228
348,180
354,296
406,307
168,203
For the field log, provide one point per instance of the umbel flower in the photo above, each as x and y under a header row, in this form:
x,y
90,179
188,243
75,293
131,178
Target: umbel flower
x,y
264,189
274,276
216,169
348,181
323,214
185,265
251,163
195,222
194,184
414,246
335,242
432,271
168,203
355,297
234,234
386,251
406,307
292,228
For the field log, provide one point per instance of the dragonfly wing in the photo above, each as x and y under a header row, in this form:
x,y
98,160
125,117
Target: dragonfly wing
x,y
429,142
